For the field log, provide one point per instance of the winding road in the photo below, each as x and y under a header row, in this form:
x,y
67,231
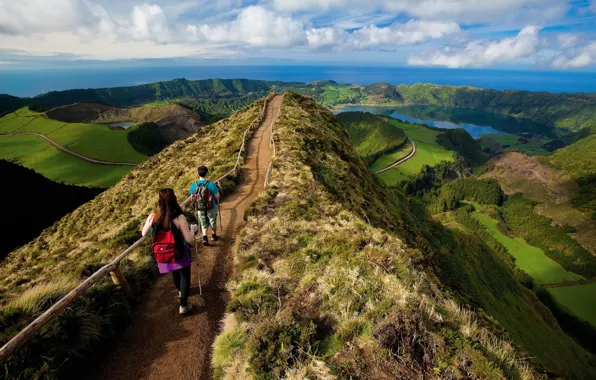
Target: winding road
x,y
65,150
160,344
401,160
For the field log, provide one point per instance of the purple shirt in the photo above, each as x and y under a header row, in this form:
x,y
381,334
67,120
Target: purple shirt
x,y
182,262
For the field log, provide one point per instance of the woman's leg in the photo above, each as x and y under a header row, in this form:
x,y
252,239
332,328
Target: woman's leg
x,y
184,284
176,278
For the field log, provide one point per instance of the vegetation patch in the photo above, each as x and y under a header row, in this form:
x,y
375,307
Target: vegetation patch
x,y
371,135
428,152
578,300
92,235
353,299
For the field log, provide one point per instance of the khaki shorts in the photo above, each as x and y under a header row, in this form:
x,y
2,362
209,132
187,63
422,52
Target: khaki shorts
x,y
208,218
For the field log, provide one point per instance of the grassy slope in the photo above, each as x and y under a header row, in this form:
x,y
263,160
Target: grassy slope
x,y
578,300
498,143
389,159
327,298
174,89
530,259
428,152
335,296
92,140
35,153
94,233
371,135
579,160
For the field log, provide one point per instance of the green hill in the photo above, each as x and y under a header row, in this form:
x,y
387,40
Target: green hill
x,y
566,112
579,160
460,141
428,152
372,135
336,275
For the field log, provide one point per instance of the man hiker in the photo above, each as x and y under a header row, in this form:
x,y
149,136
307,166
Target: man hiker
x,y
205,196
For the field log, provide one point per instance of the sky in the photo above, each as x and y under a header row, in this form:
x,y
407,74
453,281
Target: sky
x,y
535,34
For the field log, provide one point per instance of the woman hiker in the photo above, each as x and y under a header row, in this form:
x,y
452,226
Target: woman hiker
x,y
171,232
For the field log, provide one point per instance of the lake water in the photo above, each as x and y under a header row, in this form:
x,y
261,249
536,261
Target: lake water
x,y
121,124
31,82
477,123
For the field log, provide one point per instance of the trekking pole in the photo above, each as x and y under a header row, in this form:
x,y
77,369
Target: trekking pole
x,y
220,222
198,267
197,257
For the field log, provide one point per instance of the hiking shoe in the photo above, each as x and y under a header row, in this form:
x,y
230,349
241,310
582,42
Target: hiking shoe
x,y
214,237
184,310
205,241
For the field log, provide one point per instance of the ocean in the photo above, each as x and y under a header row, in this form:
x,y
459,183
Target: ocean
x,y
29,82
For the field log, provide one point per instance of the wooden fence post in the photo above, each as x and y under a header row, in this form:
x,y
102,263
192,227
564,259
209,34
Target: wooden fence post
x,y
119,279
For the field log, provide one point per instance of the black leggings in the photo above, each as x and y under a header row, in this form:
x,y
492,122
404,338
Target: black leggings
x,y
181,279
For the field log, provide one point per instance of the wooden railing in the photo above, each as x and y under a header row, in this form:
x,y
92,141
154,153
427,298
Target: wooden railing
x,y
112,268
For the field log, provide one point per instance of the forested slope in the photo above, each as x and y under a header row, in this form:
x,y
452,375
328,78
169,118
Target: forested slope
x,y
371,135
567,112
579,161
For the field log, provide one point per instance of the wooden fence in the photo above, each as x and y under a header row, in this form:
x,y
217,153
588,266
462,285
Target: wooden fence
x,y
112,268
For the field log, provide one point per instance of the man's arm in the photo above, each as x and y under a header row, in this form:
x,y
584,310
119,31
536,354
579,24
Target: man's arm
x,y
215,191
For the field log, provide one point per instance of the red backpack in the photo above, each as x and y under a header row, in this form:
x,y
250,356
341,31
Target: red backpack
x,y
163,245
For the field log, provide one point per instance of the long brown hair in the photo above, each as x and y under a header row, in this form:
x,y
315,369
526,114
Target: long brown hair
x,y
168,207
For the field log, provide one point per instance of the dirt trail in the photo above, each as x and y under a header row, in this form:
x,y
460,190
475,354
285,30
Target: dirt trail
x,y
160,344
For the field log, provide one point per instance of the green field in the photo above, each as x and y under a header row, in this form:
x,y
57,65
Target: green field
x,y
533,147
579,300
35,153
531,260
428,152
91,140
389,159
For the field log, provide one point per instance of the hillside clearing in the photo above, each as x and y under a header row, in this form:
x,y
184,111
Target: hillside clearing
x,y
35,153
428,152
578,300
531,260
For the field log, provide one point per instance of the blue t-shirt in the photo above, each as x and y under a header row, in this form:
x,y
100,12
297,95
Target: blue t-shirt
x,y
211,186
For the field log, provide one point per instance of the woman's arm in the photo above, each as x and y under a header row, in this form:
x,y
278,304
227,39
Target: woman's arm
x,y
148,224
182,225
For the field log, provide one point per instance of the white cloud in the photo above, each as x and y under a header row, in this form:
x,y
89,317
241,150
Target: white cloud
x,y
325,38
148,22
481,53
585,57
254,26
43,16
412,32
475,11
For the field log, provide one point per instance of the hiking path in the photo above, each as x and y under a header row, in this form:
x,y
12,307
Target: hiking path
x,y
159,343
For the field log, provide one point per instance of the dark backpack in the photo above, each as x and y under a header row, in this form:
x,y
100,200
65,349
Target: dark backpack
x,y
163,245
202,199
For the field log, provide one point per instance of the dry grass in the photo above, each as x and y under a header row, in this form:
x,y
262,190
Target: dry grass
x,y
324,294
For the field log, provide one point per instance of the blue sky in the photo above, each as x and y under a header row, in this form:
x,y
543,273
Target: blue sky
x,y
536,34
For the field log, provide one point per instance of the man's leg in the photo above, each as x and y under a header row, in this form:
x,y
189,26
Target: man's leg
x,y
212,215
204,222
